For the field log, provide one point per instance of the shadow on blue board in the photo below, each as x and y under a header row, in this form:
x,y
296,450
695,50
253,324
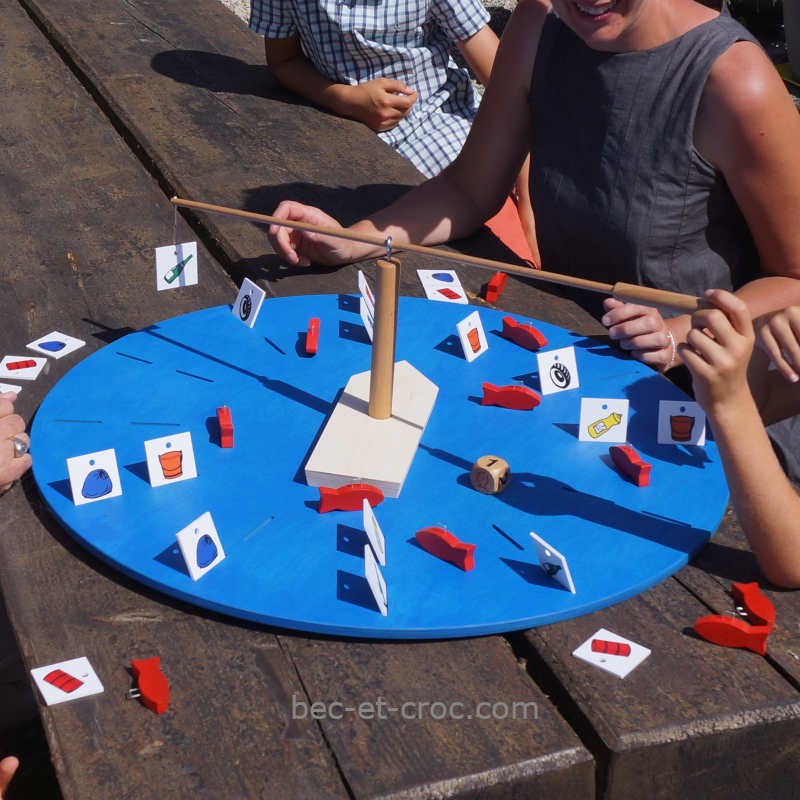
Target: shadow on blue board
x,y
351,540
348,302
531,573
353,332
62,487
139,469
452,346
354,589
545,496
171,557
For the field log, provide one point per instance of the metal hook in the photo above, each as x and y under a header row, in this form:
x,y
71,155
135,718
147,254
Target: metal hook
x,y
388,244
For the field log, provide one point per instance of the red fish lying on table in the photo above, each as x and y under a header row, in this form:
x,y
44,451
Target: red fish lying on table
x,y
442,544
524,335
348,498
520,397
630,463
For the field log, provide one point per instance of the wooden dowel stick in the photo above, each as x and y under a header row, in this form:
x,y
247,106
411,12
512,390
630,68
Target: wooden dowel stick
x,y
384,336
643,295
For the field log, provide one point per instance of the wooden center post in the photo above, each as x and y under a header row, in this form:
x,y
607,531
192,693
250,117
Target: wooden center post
x,y
383,339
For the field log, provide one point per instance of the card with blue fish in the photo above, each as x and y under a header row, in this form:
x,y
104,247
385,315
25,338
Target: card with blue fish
x,y
56,345
200,546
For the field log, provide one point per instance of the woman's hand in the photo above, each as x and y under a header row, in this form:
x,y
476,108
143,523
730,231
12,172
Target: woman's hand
x,y
12,426
303,248
778,334
642,331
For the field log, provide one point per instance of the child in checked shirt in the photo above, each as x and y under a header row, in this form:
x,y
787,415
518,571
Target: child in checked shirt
x,y
387,64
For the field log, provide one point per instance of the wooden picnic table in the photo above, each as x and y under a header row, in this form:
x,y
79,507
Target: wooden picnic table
x,y
112,107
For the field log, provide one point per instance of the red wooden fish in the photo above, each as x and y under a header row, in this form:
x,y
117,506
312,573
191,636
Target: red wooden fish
x,y
442,544
312,336
225,426
152,683
348,498
758,606
630,463
519,397
495,286
525,335
732,632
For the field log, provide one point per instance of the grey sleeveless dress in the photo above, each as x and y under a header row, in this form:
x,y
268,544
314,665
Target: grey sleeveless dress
x,y
618,190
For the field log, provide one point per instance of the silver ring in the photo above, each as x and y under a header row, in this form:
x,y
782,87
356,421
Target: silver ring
x,y
388,245
20,446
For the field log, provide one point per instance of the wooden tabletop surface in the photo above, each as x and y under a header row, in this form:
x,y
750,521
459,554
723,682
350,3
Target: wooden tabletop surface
x,y
112,107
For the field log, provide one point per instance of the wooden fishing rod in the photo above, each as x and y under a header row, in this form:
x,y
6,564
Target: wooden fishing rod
x,y
628,292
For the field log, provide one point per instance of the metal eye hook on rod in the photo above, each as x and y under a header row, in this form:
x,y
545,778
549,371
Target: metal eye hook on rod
x,y
388,244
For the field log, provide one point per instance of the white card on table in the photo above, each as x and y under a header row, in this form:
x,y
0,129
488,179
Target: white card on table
x,y
374,533
56,345
558,370
366,304
248,302
603,420
176,265
472,336
681,422
605,658
170,459
66,680
21,368
9,387
377,585
553,563
442,284
94,476
200,546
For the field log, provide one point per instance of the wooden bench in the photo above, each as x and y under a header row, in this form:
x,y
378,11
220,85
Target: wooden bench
x,y
176,101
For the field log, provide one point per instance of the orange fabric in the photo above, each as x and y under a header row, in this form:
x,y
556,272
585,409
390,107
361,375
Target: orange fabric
x,y
505,225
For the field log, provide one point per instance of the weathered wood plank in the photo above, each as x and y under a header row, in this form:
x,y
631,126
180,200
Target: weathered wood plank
x,y
81,218
693,720
440,719
230,731
193,92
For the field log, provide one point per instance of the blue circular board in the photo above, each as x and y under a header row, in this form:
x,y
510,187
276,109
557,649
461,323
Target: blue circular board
x,y
290,566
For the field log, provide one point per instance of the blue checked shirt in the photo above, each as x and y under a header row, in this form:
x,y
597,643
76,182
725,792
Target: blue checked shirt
x,y
352,41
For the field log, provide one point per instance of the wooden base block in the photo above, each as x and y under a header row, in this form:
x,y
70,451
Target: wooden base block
x,y
355,448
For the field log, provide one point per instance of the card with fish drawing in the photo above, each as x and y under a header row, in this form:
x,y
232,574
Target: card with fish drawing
x,y
553,563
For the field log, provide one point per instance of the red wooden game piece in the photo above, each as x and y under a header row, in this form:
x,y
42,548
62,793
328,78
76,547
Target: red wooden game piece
x,y
442,544
348,498
630,463
153,688
495,287
612,648
525,335
758,606
26,364
732,632
519,397
312,336
225,426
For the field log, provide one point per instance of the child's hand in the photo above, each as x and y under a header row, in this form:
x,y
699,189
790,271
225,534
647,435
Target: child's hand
x,y
380,103
718,349
302,248
779,336
641,330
